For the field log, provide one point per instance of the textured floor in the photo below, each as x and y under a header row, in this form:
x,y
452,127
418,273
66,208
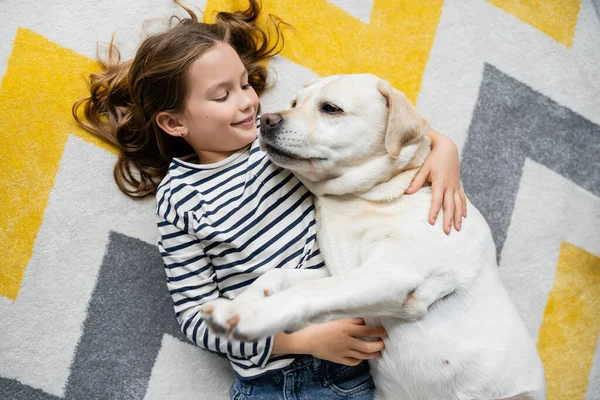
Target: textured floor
x,y
516,84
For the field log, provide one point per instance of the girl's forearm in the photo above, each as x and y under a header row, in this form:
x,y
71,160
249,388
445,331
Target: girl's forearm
x,y
433,136
444,143
288,343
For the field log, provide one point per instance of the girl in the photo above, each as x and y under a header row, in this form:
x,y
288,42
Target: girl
x,y
183,114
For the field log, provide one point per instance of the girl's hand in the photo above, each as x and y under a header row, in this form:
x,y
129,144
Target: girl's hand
x,y
336,341
442,169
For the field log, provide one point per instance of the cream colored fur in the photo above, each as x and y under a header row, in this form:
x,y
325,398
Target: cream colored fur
x,y
453,330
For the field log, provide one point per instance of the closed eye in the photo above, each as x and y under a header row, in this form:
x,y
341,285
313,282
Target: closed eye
x,y
222,99
330,109
293,104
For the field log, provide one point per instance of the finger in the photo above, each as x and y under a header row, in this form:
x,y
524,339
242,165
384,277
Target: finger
x,y
436,203
359,355
367,347
458,211
464,199
418,181
368,331
448,212
349,361
357,321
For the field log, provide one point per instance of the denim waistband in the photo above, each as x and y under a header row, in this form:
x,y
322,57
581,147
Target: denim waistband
x,y
301,361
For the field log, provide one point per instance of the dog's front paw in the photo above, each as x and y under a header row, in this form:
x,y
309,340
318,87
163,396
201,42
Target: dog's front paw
x,y
218,315
255,321
414,306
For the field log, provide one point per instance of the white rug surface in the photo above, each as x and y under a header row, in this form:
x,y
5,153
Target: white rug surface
x,y
84,309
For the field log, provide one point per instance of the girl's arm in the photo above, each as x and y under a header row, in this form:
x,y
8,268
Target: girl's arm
x,y
191,283
336,341
442,169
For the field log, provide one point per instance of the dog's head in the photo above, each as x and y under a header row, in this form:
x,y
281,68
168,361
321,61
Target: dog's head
x,y
338,123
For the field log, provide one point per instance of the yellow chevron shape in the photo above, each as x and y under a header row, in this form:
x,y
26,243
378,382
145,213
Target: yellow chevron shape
x,y
395,45
556,18
569,332
41,83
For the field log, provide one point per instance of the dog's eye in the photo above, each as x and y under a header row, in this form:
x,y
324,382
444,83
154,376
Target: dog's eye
x,y
293,103
329,108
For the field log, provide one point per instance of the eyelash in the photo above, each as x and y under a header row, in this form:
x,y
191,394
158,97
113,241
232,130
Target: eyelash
x,y
224,98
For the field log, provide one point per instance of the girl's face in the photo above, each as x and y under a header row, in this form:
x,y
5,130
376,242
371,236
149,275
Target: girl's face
x,y
221,106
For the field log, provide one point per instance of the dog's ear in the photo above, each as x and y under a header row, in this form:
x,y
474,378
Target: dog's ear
x,y
404,122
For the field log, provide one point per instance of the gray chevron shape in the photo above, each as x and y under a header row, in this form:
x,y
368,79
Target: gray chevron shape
x,y
129,312
596,4
11,389
511,122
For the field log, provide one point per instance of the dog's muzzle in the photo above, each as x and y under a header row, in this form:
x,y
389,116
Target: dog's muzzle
x,y
270,129
269,123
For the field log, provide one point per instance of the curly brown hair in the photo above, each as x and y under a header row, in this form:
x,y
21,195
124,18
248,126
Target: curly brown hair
x,y
125,97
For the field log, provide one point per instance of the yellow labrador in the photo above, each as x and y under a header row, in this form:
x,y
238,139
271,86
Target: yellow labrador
x,y
454,333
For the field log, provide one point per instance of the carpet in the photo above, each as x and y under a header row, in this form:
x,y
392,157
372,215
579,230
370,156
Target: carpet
x,y
84,311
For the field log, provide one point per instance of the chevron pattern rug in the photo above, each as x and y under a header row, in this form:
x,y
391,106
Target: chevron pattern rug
x,y
84,311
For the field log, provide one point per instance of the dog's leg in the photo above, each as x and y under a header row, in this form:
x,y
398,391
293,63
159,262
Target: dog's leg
x,y
278,279
379,288
219,312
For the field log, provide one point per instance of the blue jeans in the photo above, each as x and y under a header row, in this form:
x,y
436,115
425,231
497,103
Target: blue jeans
x,y
308,378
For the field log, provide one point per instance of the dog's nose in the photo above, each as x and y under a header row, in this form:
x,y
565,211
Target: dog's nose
x,y
269,121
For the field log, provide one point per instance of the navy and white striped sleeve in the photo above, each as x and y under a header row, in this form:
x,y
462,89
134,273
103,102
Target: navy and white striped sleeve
x,y
191,283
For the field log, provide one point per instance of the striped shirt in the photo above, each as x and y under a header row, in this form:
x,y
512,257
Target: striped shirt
x,y
223,225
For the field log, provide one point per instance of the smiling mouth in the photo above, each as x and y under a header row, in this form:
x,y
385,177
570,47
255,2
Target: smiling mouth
x,y
244,122
277,152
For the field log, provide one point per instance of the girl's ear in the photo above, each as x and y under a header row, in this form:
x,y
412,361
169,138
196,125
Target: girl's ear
x,y
171,124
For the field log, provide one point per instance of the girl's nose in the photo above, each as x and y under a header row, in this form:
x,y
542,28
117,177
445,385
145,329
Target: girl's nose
x,y
246,102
